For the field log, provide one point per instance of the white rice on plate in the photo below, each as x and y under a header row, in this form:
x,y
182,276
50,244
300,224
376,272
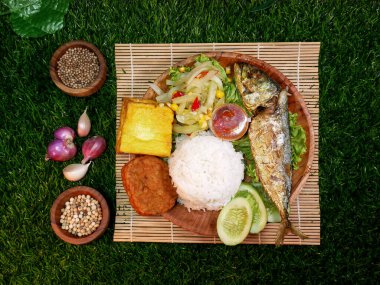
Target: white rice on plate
x,y
206,171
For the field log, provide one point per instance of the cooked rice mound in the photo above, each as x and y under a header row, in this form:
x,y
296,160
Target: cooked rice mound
x,y
206,171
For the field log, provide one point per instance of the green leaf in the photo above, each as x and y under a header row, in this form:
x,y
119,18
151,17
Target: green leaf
x,y
202,58
37,18
297,139
221,70
233,96
175,74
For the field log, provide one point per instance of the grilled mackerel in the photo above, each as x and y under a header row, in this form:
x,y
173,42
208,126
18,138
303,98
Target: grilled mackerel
x,y
255,87
270,140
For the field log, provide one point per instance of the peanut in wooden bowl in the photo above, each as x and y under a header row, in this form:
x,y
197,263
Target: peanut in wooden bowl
x,y
92,87
59,203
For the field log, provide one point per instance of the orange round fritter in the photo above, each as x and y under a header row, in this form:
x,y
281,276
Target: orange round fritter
x,y
149,187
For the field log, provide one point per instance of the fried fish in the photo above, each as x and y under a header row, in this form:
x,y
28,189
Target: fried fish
x,y
270,140
256,88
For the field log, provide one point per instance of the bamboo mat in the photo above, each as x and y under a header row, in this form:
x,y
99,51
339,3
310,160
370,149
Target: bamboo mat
x,y
138,64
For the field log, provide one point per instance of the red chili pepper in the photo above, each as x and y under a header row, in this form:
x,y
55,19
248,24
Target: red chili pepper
x,y
177,94
202,74
196,104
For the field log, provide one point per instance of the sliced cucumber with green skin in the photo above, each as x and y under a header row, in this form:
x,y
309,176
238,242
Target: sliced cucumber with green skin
x,y
234,221
260,216
272,211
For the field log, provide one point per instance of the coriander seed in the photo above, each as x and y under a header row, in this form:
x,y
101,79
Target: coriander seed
x,y
78,68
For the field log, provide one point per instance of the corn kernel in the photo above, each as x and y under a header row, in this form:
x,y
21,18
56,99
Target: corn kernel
x,y
161,105
182,69
201,122
219,94
174,107
228,70
229,79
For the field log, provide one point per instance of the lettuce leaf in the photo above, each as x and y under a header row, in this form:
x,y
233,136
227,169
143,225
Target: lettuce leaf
x,y
232,96
297,140
244,146
175,74
202,58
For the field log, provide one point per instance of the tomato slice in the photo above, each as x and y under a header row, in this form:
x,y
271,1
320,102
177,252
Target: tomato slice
x,y
196,104
177,94
202,74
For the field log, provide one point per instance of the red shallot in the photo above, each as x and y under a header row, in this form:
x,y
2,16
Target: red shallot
x,y
84,124
93,148
61,150
64,133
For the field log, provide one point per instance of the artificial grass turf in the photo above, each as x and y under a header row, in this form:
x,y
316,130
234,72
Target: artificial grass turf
x,y
31,107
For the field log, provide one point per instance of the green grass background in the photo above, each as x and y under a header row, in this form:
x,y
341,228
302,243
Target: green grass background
x,y
31,107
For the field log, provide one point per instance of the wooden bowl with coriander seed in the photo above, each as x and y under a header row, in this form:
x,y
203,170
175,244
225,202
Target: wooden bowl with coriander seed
x,y
78,68
80,215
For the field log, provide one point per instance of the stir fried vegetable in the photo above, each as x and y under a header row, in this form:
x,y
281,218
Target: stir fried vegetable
x,y
194,92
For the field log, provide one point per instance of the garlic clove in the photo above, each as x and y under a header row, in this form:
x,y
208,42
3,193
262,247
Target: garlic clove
x,y
84,124
76,171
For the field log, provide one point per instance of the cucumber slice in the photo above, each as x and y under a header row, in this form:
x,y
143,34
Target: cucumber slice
x,y
272,211
260,216
273,214
234,221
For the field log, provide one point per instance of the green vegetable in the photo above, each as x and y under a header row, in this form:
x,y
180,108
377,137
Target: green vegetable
x,y
297,140
37,18
244,146
235,220
203,58
232,96
272,211
260,216
175,74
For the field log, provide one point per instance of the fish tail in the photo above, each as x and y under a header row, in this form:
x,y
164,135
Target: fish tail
x,y
284,229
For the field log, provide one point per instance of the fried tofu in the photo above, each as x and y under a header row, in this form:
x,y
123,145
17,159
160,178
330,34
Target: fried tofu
x,y
145,128
148,184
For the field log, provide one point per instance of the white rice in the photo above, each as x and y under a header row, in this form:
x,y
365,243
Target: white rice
x,y
206,171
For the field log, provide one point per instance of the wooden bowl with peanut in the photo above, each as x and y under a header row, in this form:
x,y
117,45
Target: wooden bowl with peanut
x,y
80,215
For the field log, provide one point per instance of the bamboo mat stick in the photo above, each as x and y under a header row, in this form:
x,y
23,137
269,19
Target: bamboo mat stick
x,y
139,64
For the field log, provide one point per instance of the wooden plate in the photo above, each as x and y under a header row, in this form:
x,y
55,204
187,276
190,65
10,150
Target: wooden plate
x,y
204,222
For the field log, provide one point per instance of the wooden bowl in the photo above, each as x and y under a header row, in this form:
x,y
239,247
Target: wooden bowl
x,y
59,203
204,222
78,92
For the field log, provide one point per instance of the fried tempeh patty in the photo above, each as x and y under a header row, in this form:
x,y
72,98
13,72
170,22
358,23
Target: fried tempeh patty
x,y
148,184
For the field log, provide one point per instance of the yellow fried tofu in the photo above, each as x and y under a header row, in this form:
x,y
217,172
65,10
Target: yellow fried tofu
x,y
145,128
